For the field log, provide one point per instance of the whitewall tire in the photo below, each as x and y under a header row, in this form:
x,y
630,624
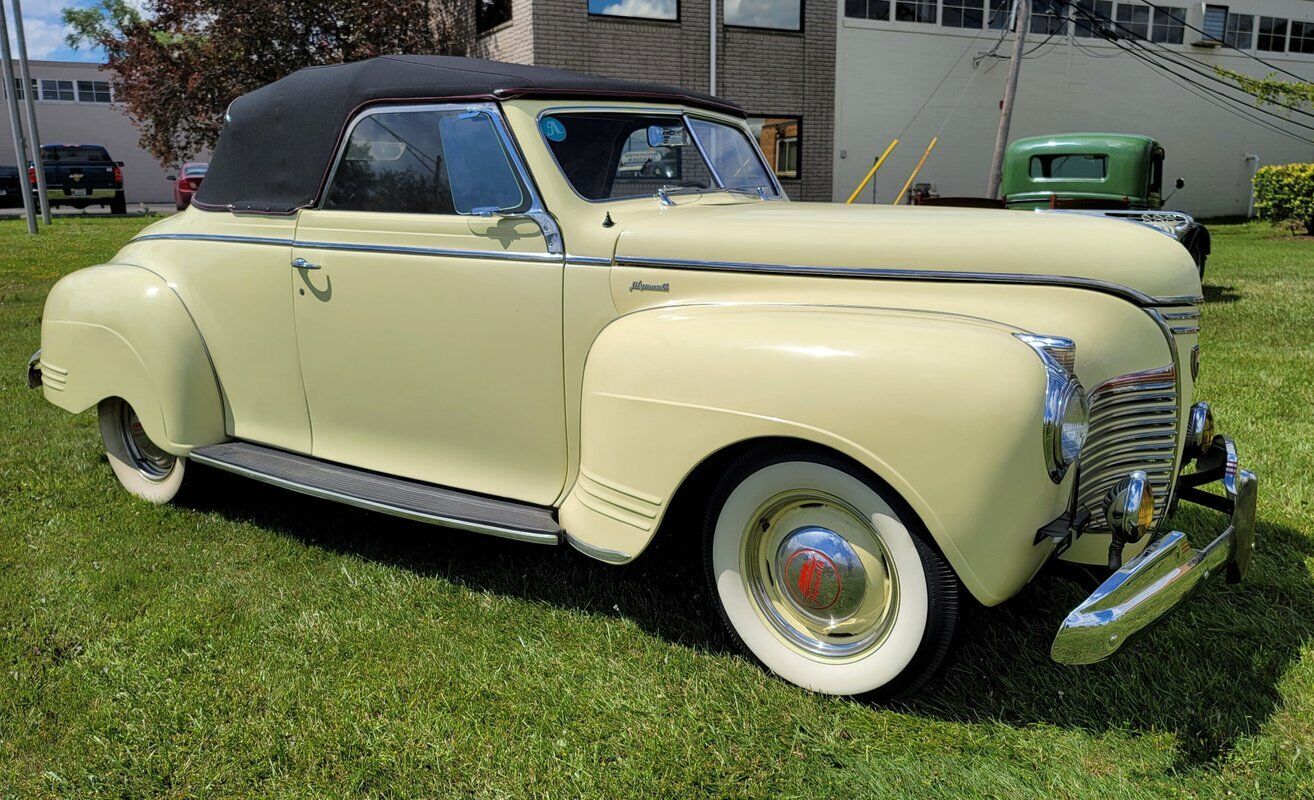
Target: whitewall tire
x,y
143,468
825,577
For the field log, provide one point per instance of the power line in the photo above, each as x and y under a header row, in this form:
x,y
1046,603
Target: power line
x,y
1139,43
1240,110
1268,64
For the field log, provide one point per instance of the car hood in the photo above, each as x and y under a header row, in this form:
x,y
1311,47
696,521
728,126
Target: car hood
x,y
848,239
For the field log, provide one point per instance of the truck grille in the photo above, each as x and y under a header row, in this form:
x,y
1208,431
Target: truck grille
x,y
1133,425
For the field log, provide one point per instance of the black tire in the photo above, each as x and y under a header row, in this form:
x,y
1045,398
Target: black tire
x,y
942,586
119,205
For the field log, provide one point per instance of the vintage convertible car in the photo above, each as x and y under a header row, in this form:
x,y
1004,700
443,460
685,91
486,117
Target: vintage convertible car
x,y
438,288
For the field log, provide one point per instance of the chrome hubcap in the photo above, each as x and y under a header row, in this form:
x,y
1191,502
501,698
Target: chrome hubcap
x,y
820,575
153,463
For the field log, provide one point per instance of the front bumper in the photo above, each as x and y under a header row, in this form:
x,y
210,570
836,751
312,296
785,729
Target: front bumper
x,y
1158,580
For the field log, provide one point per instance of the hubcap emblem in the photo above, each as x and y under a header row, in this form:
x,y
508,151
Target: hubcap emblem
x,y
813,579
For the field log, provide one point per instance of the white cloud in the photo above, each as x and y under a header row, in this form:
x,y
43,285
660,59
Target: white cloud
x,y
44,37
651,9
764,13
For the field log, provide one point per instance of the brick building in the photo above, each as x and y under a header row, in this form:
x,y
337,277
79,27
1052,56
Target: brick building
x,y
775,58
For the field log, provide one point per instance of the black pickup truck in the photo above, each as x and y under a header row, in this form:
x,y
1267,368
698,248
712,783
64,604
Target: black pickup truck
x,y
80,175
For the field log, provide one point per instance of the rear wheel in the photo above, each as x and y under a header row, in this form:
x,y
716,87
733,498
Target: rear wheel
x,y
824,577
141,466
119,205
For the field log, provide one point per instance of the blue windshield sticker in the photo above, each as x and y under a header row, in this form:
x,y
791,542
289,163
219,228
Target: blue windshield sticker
x,y
553,129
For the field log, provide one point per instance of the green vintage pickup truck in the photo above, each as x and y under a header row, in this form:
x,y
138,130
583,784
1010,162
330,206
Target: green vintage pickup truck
x,y
1101,174
1114,174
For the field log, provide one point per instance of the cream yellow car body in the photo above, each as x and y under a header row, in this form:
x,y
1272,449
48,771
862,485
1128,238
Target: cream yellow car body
x,y
684,330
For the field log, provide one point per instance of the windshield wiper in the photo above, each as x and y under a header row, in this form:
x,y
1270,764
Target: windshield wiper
x,y
664,193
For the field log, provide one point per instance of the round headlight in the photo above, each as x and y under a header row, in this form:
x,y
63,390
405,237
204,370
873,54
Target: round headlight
x,y
1067,420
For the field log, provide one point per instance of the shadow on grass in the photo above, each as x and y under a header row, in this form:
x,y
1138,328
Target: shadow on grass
x,y
1220,294
1209,674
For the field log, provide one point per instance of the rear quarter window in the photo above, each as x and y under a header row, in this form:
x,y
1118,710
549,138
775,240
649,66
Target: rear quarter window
x,y
1070,166
75,154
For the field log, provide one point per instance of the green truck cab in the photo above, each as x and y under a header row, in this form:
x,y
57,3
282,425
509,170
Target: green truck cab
x,y
1112,174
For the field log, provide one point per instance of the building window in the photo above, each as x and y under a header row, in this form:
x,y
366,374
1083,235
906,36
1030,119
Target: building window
x,y
1302,37
779,15
1000,11
1049,16
867,9
1134,21
779,139
1090,19
1169,25
1240,31
93,92
1214,22
57,90
963,13
491,13
18,89
915,11
638,9
1272,34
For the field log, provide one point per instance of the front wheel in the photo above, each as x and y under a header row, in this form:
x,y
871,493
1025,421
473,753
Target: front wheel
x,y
824,576
141,466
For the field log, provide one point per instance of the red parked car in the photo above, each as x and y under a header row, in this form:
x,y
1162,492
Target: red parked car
x,y
187,181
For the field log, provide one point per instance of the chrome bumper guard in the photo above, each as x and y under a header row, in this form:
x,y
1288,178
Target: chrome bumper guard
x,y
34,370
1158,580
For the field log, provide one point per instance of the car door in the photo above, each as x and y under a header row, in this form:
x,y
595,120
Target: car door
x,y
428,310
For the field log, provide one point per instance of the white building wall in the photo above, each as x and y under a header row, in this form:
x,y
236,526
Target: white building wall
x,y
61,122
887,70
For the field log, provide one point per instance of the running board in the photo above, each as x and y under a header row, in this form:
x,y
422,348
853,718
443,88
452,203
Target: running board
x,y
397,496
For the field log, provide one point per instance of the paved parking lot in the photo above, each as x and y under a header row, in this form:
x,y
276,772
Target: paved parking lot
x,y
134,210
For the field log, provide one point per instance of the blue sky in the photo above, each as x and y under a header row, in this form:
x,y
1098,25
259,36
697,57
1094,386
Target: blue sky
x,y
45,32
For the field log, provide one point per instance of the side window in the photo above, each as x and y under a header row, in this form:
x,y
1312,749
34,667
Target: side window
x,y
424,162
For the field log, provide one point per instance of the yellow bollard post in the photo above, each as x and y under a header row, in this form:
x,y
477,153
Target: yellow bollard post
x,y
899,198
871,173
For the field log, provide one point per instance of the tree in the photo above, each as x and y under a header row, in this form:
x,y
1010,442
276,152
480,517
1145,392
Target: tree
x,y
176,67
1271,90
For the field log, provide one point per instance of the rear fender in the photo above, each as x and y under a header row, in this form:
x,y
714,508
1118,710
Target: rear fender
x,y
117,330
945,409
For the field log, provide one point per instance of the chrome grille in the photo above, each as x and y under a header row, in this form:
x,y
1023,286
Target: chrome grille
x,y
1133,425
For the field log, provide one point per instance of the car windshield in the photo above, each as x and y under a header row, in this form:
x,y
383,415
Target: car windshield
x,y
76,153
608,156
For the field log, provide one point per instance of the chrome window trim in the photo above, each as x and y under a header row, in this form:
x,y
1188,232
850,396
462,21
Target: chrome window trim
x,y
494,255
946,276
535,210
671,111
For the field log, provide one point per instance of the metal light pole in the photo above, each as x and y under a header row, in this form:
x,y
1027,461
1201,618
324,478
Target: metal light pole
x,y
8,74
34,138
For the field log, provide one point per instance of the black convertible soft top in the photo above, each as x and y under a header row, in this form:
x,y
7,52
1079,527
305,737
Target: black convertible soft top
x,y
277,142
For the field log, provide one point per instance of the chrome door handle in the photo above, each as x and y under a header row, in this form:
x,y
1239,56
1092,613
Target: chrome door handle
x,y
301,263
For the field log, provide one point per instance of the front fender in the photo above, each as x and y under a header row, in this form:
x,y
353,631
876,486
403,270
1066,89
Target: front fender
x,y
117,330
945,409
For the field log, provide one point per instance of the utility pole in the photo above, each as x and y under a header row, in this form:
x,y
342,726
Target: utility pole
x,y
7,72
34,138
1022,14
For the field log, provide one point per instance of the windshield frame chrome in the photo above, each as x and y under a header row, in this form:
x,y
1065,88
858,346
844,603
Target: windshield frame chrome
x,y
685,115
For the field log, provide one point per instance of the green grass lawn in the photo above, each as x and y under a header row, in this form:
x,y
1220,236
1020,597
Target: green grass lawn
x,y
256,642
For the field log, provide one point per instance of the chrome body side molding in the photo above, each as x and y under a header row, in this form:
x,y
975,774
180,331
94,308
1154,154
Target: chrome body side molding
x,y
943,276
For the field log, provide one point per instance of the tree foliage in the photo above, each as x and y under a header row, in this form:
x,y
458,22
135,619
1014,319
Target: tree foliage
x,y
1285,192
1270,90
176,67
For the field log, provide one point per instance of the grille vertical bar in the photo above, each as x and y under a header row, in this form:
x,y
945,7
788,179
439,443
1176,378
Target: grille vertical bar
x,y
1133,425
